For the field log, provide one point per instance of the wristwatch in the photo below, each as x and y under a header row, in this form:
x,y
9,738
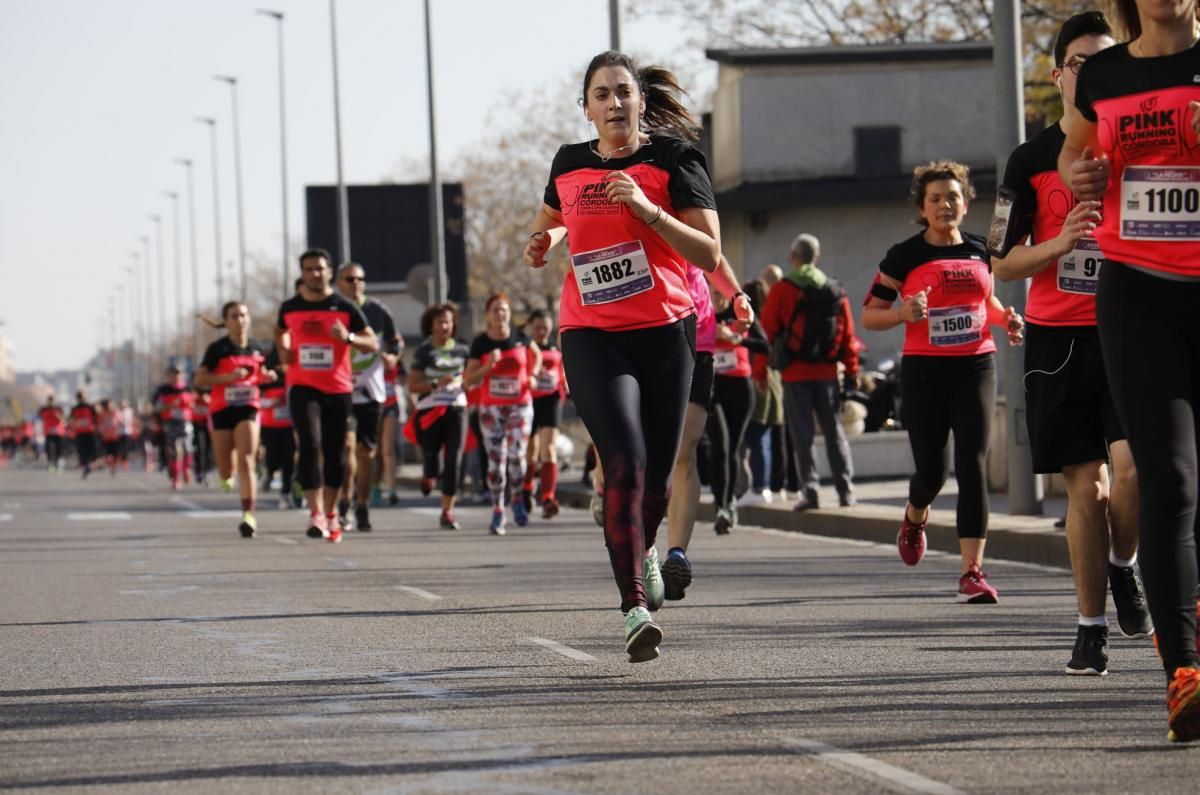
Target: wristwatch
x,y
350,338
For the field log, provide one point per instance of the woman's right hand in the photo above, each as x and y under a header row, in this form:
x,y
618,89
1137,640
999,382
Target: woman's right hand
x,y
535,249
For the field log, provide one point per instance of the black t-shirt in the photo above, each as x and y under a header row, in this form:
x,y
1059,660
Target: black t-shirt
x,y
334,301
380,321
434,363
483,344
688,184
1113,72
1038,155
225,348
906,256
755,338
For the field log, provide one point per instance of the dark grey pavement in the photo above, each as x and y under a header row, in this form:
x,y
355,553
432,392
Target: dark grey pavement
x,y
154,650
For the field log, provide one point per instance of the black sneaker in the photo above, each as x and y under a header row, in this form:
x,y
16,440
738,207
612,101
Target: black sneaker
x,y
362,519
809,500
343,509
447,522
527,500
1130,599
676,574
1090,657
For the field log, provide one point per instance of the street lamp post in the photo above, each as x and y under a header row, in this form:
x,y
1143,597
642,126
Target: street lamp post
x,y
278,17
174,197
162,289
343,205
212,134
196,339
147,289
614,25
437,238
135,322
237,180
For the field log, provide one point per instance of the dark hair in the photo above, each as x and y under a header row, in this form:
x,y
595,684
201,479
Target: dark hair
x,y
299,281
224,313
432,312
1087,23
932,172
664,112
538,314
500,296
756,291
313,253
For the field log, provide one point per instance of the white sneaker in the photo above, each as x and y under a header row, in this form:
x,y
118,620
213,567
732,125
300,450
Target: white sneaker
x,y
763,497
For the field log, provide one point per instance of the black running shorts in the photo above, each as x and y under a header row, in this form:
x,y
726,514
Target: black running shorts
x,y
1068,408
702,381
547,412
229,418
365,423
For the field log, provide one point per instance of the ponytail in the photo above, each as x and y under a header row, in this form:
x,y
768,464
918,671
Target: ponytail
x,y
660,88
217,324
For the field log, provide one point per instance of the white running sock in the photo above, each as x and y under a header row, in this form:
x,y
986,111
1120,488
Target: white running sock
x,y
1122,564
1095,621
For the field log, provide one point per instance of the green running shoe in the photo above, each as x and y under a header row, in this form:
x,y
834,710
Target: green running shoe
x,y
642,635
249,526
226,485
652,581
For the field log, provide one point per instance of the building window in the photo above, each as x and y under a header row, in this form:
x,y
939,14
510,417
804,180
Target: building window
x,y
876,151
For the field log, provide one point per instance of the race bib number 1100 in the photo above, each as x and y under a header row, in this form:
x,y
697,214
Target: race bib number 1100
x,y
1160,203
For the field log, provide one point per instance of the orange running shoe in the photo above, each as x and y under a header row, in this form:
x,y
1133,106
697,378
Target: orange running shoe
x,y
1183,706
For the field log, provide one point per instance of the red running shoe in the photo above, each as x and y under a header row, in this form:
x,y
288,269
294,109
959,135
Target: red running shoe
x,y
335,529
911,540
973,588
1183,706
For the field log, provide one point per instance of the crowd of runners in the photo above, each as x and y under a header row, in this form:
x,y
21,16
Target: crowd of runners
x,y
660,349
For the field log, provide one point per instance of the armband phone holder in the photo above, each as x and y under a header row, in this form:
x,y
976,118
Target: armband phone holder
x,y
1002,231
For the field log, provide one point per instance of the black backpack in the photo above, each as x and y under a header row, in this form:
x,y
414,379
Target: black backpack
x,y
823,337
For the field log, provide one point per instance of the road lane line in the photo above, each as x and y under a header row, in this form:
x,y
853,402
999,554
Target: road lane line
x,y
5,517
99,516
187,504
859,764
421,592
565,651
282,540
203,514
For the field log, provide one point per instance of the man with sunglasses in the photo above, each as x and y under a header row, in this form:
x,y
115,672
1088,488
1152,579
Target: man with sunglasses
x,y
1073,425
370,392
315,332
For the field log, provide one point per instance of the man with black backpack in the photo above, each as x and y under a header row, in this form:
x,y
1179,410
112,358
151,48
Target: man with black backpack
x,y
808,321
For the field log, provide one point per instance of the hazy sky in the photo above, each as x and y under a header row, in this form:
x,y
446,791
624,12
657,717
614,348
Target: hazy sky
x,y
97,99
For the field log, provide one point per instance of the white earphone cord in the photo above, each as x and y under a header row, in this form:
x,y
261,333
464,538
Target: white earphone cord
x,y
1070,350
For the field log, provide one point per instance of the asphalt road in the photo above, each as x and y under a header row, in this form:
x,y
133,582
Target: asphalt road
x,y
145,647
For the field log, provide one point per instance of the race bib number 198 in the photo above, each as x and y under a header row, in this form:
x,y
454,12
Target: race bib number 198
x,y
316,357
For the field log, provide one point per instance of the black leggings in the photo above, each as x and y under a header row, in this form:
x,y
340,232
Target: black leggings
x,y
785,470
733,400
940,394
321,421
85,446
202,462
448,431
631,391
53,448
1151,346
280,444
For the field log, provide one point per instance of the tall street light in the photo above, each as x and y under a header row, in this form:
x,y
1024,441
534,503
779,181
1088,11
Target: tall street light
x,y
162,289
343,206
212,134
278,17
237,179
614,25
174,197
148,281
136,327
437,239
196,340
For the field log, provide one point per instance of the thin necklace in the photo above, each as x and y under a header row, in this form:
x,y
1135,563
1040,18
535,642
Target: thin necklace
x,y
1141,53
610,155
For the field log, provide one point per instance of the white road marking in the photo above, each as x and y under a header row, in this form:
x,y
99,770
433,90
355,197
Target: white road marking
x,y
187,504
5,517
855,763
159,591
566,651
202,514
282,540
100,516
421,592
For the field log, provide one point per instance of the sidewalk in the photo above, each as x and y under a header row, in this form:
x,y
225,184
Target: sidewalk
x,y
876,517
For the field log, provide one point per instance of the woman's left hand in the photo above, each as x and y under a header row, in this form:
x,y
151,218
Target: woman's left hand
x,y
620,187
1016,326
743,311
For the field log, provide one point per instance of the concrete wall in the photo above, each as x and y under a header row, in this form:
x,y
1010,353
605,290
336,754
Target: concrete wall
x,y
943,109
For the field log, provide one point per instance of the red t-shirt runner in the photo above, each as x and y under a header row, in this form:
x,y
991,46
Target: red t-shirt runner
x,y
273,407
83,418
550,381
318,360
623,275
731,361
509,381
225,356
959,280
1152,204
52,420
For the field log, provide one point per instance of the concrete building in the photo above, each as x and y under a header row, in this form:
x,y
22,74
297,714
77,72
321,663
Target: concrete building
x,y
824,140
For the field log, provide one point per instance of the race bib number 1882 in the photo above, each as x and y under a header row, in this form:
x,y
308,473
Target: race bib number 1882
x,y
612,274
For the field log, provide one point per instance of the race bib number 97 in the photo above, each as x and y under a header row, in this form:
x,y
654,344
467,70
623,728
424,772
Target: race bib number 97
x,y
1079,269
612,274
1160,203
